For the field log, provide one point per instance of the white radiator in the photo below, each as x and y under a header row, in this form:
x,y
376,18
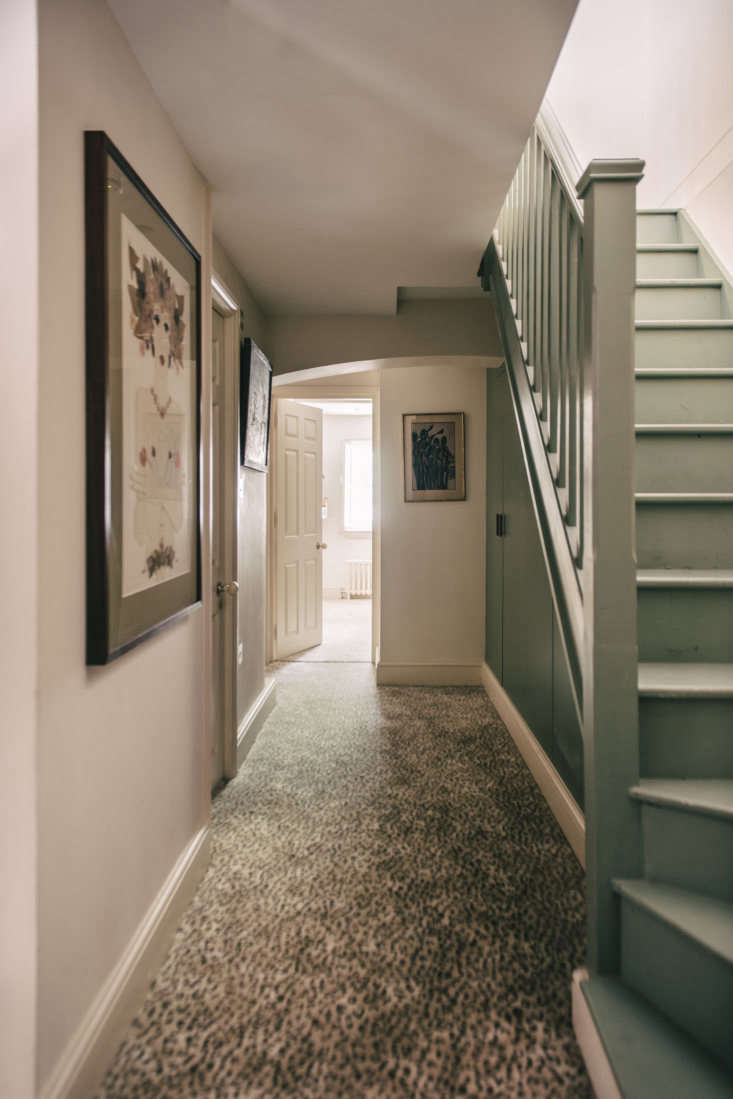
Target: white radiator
x,y
360,579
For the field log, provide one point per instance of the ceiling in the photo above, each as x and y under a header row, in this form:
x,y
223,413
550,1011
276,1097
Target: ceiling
x,y
353,146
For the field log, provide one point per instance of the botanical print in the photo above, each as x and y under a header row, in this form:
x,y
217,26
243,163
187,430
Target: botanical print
x,y
434,455
157,414
258,401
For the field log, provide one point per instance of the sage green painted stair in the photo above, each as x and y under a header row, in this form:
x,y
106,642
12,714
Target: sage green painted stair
x,y
650,1056
676,981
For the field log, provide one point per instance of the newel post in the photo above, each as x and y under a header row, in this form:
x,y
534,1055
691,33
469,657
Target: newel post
x,y
610,662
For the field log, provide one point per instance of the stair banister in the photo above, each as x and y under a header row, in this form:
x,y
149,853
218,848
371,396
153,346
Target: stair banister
x,y
563,289
610,657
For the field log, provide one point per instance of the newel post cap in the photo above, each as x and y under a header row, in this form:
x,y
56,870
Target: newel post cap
x,y
610,171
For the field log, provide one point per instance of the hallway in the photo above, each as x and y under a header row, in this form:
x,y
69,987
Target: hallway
x,y
390,910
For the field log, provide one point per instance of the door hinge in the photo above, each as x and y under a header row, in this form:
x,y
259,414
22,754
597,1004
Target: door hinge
x,y
274,519
500,524
274,634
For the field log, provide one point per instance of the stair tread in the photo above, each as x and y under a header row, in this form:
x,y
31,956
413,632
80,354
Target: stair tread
x,y
684,578
648,1053
670,680
710,796
660,247
679,284
684,372
716,323
684,429
707,920
684,497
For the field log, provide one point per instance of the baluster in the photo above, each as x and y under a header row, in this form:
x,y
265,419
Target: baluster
x,y
563,343
531,253
554,314
518,287
546,191
525,225
538,173
573,390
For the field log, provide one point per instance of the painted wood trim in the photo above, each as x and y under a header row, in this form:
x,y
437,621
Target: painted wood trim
x,y
565,808
562,153
84,1061
428,675
591,1046
254,719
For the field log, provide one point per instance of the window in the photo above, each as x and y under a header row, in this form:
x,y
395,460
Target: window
x,y
358,485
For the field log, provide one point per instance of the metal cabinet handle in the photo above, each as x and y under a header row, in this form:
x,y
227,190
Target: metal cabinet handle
x,y
227,589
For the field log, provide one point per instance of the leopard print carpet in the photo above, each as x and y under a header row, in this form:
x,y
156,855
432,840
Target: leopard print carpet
x,y
390,911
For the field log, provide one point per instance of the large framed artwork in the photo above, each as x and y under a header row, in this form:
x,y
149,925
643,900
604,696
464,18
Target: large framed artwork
x,y
435,456
255,390
143,386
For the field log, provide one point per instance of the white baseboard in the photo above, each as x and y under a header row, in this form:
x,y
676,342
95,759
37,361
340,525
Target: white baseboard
x,y
565,808
429,675
84,1061
596,1060
254,719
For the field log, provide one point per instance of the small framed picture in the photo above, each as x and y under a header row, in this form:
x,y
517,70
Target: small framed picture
x,y
435,456
143,388
255,388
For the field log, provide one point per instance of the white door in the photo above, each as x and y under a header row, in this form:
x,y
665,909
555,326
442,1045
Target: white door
x,y
299,556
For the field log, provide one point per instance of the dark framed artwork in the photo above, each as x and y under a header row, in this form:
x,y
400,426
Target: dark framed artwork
x,y
435,456
255,390
143,389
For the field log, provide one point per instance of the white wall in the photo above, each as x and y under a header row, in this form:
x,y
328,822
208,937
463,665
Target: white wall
x,y
342,545
121,751
18,544
432,554
653,78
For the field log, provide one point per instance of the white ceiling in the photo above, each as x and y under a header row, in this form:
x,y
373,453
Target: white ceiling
x,y
353,146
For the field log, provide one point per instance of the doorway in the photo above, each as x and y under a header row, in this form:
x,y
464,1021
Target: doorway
x,y
346,530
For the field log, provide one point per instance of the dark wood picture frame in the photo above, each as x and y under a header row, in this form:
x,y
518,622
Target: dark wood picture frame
x,y
434,446
143,283
255,394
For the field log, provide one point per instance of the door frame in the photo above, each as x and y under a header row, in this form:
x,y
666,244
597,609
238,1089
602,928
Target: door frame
x,y
226,305
327,390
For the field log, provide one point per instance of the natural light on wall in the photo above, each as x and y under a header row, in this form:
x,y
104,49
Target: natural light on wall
x,y
358,485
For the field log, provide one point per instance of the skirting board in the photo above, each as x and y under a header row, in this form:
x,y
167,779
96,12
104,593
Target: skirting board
x,y
429,675
565,808
84,1061
254,719
596,1061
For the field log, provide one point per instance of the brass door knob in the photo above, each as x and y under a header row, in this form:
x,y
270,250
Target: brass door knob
x,y
227,589
321,545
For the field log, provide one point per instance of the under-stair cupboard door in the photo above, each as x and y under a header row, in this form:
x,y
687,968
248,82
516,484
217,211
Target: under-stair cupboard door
x,y
298,541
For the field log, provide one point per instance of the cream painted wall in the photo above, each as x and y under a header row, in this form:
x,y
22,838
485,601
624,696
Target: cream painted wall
x,y
432,554
121,751
439,327
252,552
342,546
18,545
653,78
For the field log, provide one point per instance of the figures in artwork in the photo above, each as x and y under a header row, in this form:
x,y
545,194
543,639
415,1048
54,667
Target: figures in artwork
x,y
157,475
433,461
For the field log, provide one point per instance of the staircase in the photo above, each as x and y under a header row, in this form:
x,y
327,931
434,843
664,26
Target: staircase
x,y
665,1023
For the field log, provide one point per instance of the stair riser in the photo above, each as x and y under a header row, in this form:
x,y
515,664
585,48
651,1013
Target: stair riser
x,y
686,738
680,348
692,850
688,983
684,624
684,463
667,265
684,400
684,536
674,303
657,229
